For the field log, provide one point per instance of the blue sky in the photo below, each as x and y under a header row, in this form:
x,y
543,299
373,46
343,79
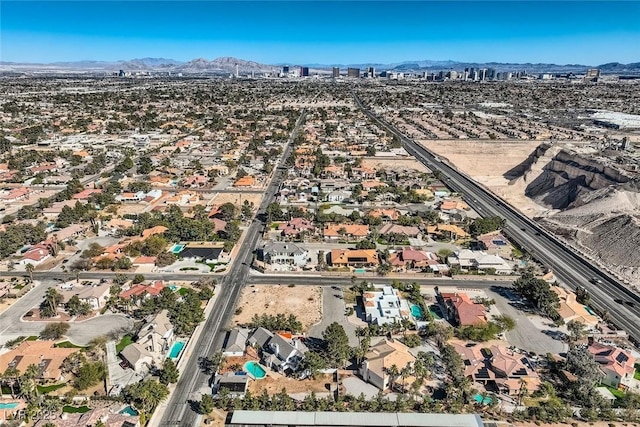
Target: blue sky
x,y
585,32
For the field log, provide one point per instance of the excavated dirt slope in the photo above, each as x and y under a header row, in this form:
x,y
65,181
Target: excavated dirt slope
x,y
595,206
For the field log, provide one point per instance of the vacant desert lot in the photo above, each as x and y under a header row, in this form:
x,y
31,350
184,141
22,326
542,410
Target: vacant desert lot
x,y
487,162
305,302
275,385
394,164
236,198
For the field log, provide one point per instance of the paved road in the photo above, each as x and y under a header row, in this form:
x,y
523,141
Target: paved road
x,y
333,310
178,411
569,266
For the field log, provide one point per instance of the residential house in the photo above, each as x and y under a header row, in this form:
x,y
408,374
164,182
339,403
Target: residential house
x,y
338,196
137,357
235,384
36,255
283,353
236,342
386,215
351,232
495,243
461,310
15,195
143,291
71,232
356,258
284,253
382,356
295,227
448,231
413,259
617,365
451,205
385,306
43,354
570,309
86,194
280,352
408,231
245,181
154,339
467,259
96,295
206,252
499,367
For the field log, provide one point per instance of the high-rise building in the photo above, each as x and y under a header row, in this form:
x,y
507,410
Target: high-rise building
x,y
285,69
353,72
121,73
491,74
371,72
304,71
336,72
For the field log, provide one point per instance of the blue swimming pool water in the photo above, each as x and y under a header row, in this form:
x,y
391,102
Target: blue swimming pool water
x,y
255,370
9,405
416,312
586,307
176,349
177,248
173,288
478,398
129,411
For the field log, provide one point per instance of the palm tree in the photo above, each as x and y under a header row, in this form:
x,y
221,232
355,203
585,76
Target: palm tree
x,y
29,269
392,372
405,373
10,377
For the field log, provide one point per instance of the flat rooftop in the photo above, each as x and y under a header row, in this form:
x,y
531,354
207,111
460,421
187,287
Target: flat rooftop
x,y
386,419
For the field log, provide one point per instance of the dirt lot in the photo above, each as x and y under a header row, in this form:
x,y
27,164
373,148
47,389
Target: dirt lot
x,y
394,164
236,198
305,302
273,385
479,159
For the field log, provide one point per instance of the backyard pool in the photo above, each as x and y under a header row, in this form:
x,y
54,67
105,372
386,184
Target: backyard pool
x,y
485,401
177,248
176,349
173,288
589,310
9,405
128,410
255,370
416,312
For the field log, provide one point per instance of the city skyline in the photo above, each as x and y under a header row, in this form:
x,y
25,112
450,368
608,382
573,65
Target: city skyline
x,y
340,32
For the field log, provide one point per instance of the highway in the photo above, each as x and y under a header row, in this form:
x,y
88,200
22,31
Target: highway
x,y
178,411
570,267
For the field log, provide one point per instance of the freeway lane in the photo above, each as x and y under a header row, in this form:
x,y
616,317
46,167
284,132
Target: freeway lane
x,y
568,265
178,411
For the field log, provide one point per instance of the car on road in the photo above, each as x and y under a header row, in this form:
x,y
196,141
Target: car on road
x,y
595,281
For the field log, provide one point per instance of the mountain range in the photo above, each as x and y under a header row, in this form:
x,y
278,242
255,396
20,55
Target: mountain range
x,y
228,65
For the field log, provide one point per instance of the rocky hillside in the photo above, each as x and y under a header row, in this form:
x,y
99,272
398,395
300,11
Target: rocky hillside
x,y
595,206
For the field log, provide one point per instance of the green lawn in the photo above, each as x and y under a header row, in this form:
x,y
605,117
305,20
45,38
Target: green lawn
x,y
182,291
75,409
32,338
43,389
67,344
125,341
637,374
617,393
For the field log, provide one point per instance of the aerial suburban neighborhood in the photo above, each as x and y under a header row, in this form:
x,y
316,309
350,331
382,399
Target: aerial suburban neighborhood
x,y
226,251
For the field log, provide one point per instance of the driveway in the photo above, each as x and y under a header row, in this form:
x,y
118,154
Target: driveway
x,y
81,333
333,310
355,386
526,334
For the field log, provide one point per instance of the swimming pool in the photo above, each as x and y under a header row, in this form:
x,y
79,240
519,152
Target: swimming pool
x,y
485,401
9,405
173,288
589,310
177,248
255,370
128,410
176,349
416,312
